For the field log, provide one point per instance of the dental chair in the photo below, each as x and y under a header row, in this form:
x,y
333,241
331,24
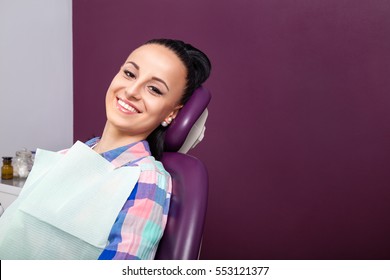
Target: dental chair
x,y
183,233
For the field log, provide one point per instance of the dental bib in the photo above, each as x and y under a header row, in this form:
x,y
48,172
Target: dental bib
x,y
67,206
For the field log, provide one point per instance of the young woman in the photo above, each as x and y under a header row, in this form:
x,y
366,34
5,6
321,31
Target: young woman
x,y
145,96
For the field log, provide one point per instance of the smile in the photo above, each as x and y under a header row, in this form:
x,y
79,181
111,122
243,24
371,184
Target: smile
x,y
125,107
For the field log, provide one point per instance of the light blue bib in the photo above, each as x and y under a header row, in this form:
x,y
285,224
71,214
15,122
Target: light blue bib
x,y
67,207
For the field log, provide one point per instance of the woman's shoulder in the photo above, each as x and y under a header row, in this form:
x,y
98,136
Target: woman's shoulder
x,y
149,163
153,172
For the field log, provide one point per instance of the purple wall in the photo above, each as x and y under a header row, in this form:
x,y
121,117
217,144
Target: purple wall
x,y
297,142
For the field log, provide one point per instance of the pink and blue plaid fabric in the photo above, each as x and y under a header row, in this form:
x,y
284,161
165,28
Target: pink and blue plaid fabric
x,y
141,222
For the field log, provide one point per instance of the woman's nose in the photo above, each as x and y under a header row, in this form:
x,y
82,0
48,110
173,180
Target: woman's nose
x,y
133,91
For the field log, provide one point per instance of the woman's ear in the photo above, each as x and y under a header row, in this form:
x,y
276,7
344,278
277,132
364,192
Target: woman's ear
x,y
172,115
176,110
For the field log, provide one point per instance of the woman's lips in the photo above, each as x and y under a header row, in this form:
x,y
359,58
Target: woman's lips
x,y
125,107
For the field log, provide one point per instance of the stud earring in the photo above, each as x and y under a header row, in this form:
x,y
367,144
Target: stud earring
x,y
166,123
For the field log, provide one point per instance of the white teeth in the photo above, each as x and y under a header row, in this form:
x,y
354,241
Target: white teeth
x,y
127,106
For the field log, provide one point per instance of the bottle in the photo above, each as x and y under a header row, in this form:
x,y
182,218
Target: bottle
x,y
7,171
23,163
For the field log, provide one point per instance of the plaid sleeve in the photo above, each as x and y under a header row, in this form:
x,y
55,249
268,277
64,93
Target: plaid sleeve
x,y
141,222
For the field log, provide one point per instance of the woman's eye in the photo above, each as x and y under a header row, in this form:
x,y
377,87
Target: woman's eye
x,y
155,90
129,74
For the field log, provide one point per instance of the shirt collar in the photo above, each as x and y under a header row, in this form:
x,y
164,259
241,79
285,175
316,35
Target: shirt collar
x,y
126,155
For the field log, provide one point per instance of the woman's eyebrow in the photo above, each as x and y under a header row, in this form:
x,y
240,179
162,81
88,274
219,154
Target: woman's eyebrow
x,y
154,78
134,64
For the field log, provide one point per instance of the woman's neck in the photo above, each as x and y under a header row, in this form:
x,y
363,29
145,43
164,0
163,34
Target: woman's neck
x,y
113,138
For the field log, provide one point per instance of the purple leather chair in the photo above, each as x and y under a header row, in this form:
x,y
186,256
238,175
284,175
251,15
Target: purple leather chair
x,y
183,233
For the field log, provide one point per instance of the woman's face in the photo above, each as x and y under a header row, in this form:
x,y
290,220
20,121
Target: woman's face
x,y
146,91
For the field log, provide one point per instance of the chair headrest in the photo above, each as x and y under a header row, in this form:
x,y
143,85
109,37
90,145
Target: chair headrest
x,y
188,127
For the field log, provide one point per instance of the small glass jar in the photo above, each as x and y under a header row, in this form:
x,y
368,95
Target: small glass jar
x,y
7,170
23,163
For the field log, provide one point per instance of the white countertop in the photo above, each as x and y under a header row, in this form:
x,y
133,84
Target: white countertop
x,y
8,193
6,188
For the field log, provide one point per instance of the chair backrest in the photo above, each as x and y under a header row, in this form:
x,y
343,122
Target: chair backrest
x,y
183,234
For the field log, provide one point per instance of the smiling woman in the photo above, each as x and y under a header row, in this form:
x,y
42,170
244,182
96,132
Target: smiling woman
x,y
146,91
109,198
